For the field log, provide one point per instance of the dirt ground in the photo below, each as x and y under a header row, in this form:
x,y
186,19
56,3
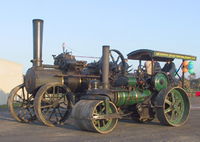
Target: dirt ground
x,y
126,130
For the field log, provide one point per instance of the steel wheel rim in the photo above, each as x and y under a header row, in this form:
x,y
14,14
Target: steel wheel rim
x,y
176,107
104,125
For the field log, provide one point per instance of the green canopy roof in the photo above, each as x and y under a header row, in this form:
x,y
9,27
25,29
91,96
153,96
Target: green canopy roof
x,y
146,54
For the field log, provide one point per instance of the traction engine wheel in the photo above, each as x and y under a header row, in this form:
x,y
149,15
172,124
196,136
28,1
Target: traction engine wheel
x,y
20,104
52,104
173,106
87,115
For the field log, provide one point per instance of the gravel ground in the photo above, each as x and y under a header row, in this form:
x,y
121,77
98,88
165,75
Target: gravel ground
x,y
126,130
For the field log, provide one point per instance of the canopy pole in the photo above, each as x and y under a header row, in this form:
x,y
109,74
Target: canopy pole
x,y
183,76
178,71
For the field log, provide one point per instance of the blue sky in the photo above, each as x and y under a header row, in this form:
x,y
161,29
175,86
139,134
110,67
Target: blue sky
x,y
126,25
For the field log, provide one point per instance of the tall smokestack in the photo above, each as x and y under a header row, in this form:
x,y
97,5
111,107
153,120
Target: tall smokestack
x,y
105,68
37,42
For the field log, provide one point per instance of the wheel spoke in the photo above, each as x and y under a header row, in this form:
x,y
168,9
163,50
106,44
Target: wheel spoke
x,y
178,111
103,109
21,113
98,123
61,116
173,98
167,101
18,101
23,93
168,110
20,97
46,106
52,113
57,120
113,60
30,112
117,60
178,102
63,107
54,92
47,111
31,97
46,95
104,122
172,115
30,106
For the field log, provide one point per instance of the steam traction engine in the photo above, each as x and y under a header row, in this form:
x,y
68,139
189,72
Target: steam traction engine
x,y
49,91
97,94
138,95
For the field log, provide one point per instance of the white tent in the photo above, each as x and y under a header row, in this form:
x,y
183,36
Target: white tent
x,y
10,76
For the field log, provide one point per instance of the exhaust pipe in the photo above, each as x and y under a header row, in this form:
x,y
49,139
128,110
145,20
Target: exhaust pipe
x,y
105,68
37,42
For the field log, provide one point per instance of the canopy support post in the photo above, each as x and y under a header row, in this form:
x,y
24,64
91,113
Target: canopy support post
x,y
183,76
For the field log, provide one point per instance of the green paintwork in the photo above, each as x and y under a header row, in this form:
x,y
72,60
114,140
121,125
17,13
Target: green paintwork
x,y
131,97
147,92
176,107
104,124
160,81
132,81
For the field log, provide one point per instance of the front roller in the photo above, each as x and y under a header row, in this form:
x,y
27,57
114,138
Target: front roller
x,y
20,104
52,104
91,115
173,106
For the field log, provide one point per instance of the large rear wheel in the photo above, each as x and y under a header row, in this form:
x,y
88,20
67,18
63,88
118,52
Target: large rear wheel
x,y
52,104
173,106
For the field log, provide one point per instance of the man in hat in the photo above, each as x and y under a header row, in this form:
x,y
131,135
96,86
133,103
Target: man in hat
x,y
170,68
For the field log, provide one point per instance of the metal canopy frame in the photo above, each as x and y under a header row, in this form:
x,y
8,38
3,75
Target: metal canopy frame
x,y
146,54
151,55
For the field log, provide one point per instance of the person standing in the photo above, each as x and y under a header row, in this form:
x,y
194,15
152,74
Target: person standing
x,y
148,66
156,67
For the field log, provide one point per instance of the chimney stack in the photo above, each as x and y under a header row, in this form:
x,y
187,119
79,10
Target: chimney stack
x,y
37,42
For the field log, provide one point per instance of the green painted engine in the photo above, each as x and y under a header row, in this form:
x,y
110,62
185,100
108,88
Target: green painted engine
x,y
123,98
137,95
133,90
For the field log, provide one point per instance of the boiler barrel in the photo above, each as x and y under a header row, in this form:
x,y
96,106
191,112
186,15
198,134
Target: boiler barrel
x,y
36,77
122,98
